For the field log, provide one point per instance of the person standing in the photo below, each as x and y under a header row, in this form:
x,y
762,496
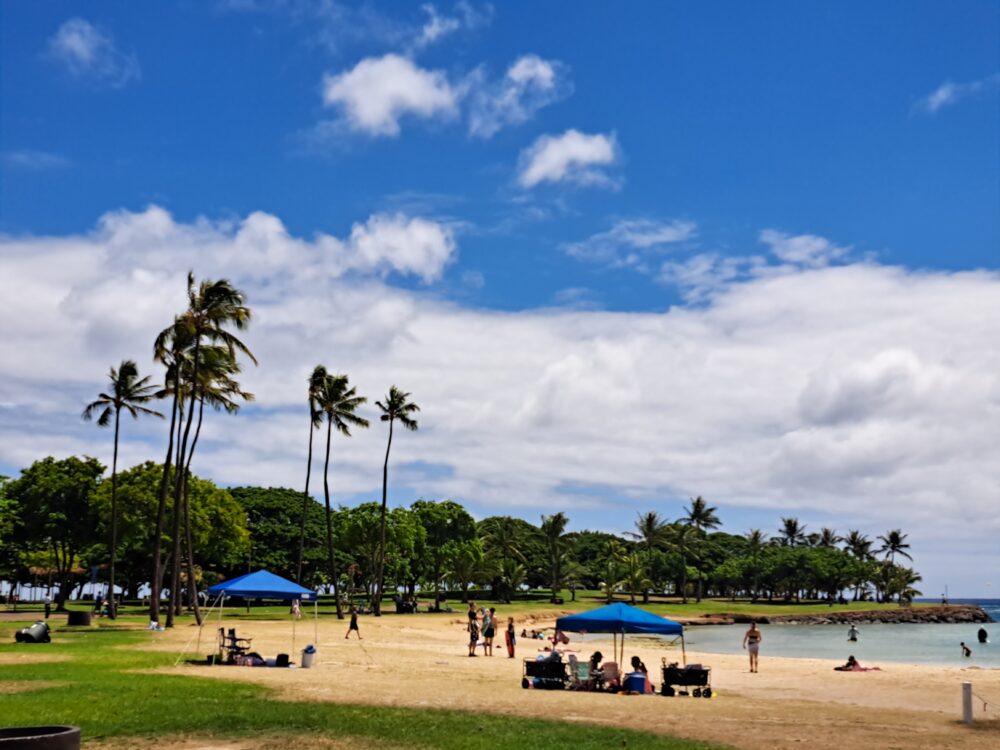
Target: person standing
x,y
853,633
296,610
489,630
983,635
751,642
473,628
354,624
48,605
511,639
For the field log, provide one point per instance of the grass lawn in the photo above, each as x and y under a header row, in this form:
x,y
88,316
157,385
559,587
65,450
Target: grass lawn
x,y
96,691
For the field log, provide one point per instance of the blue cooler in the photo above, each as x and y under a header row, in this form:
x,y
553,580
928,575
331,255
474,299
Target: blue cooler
x,y
635,682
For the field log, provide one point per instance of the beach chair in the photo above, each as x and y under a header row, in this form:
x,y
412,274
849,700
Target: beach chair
x,y
611,674
233,645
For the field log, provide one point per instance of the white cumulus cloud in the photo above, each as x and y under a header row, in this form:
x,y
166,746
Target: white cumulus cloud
x,y
89,53
866,391
378,92
529,84
573,157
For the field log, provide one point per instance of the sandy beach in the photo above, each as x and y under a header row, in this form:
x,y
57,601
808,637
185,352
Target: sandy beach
x,y
421,661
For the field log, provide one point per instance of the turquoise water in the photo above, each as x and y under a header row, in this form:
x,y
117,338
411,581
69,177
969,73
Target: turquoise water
x,y
913,644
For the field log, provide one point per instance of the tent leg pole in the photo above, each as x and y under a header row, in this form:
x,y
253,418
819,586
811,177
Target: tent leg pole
x,y
684,655
316,621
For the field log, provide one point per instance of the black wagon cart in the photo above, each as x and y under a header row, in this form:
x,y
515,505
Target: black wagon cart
x,y
544,674
694,680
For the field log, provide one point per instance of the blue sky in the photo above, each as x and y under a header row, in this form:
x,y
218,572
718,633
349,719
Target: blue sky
x,y
573,178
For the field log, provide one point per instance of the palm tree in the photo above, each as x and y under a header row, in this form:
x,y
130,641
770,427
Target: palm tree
x,y
338,402
503,538
212,307
316,380
553,530
684,541
858,544
702,517
652,532
828,538
894,542
614,557
129,392
512,576
396,406
792,533
635,576
755,543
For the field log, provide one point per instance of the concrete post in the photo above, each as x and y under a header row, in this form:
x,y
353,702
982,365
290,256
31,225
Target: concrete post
x,y
967,702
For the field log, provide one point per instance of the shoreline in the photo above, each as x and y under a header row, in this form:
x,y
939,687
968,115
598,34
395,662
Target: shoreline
x,y
951,614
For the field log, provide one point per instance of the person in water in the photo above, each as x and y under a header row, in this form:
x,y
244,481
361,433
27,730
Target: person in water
x,y
751,642
966,651
853,633
983,635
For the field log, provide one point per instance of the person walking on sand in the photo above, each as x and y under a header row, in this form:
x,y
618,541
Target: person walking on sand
x,y
354,624
473,628
48,606
751,642
296,610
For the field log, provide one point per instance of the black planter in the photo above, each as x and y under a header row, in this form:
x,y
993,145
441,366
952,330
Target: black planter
x,y
40,738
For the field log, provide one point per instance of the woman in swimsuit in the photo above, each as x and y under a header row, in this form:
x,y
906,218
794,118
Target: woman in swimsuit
x,y
511,640
751,642
473,629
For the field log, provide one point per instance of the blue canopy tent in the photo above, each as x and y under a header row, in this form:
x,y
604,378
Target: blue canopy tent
x,y
262,584
620,618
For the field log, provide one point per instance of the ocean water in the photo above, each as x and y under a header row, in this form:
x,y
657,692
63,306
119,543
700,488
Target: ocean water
x,y
877,644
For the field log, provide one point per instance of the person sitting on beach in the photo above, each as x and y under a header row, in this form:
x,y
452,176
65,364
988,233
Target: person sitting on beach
x,y
850,666
596,678
638,666
524,632
966,651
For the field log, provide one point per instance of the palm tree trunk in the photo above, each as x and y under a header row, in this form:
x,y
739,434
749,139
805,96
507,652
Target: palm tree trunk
x,y
112,605
329,521
192,583
305,502
175,598
380,572
161,511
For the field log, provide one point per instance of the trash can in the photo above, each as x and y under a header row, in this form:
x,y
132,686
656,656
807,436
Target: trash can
x,y
78,617
37,633
308,655
40,738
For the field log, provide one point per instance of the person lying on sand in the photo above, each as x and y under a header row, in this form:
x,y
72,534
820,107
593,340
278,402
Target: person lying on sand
x,y
853,665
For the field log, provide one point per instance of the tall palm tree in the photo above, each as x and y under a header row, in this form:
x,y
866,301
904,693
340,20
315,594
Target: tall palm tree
x,y
395,406
129,392
554,531
652,532
894,542
684,542
316,380
635,576
613,556
213,306
338,402
791,533
701,516
502,538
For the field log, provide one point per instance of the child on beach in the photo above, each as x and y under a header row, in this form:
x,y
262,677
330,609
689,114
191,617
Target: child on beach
x,y
473,628
489,630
